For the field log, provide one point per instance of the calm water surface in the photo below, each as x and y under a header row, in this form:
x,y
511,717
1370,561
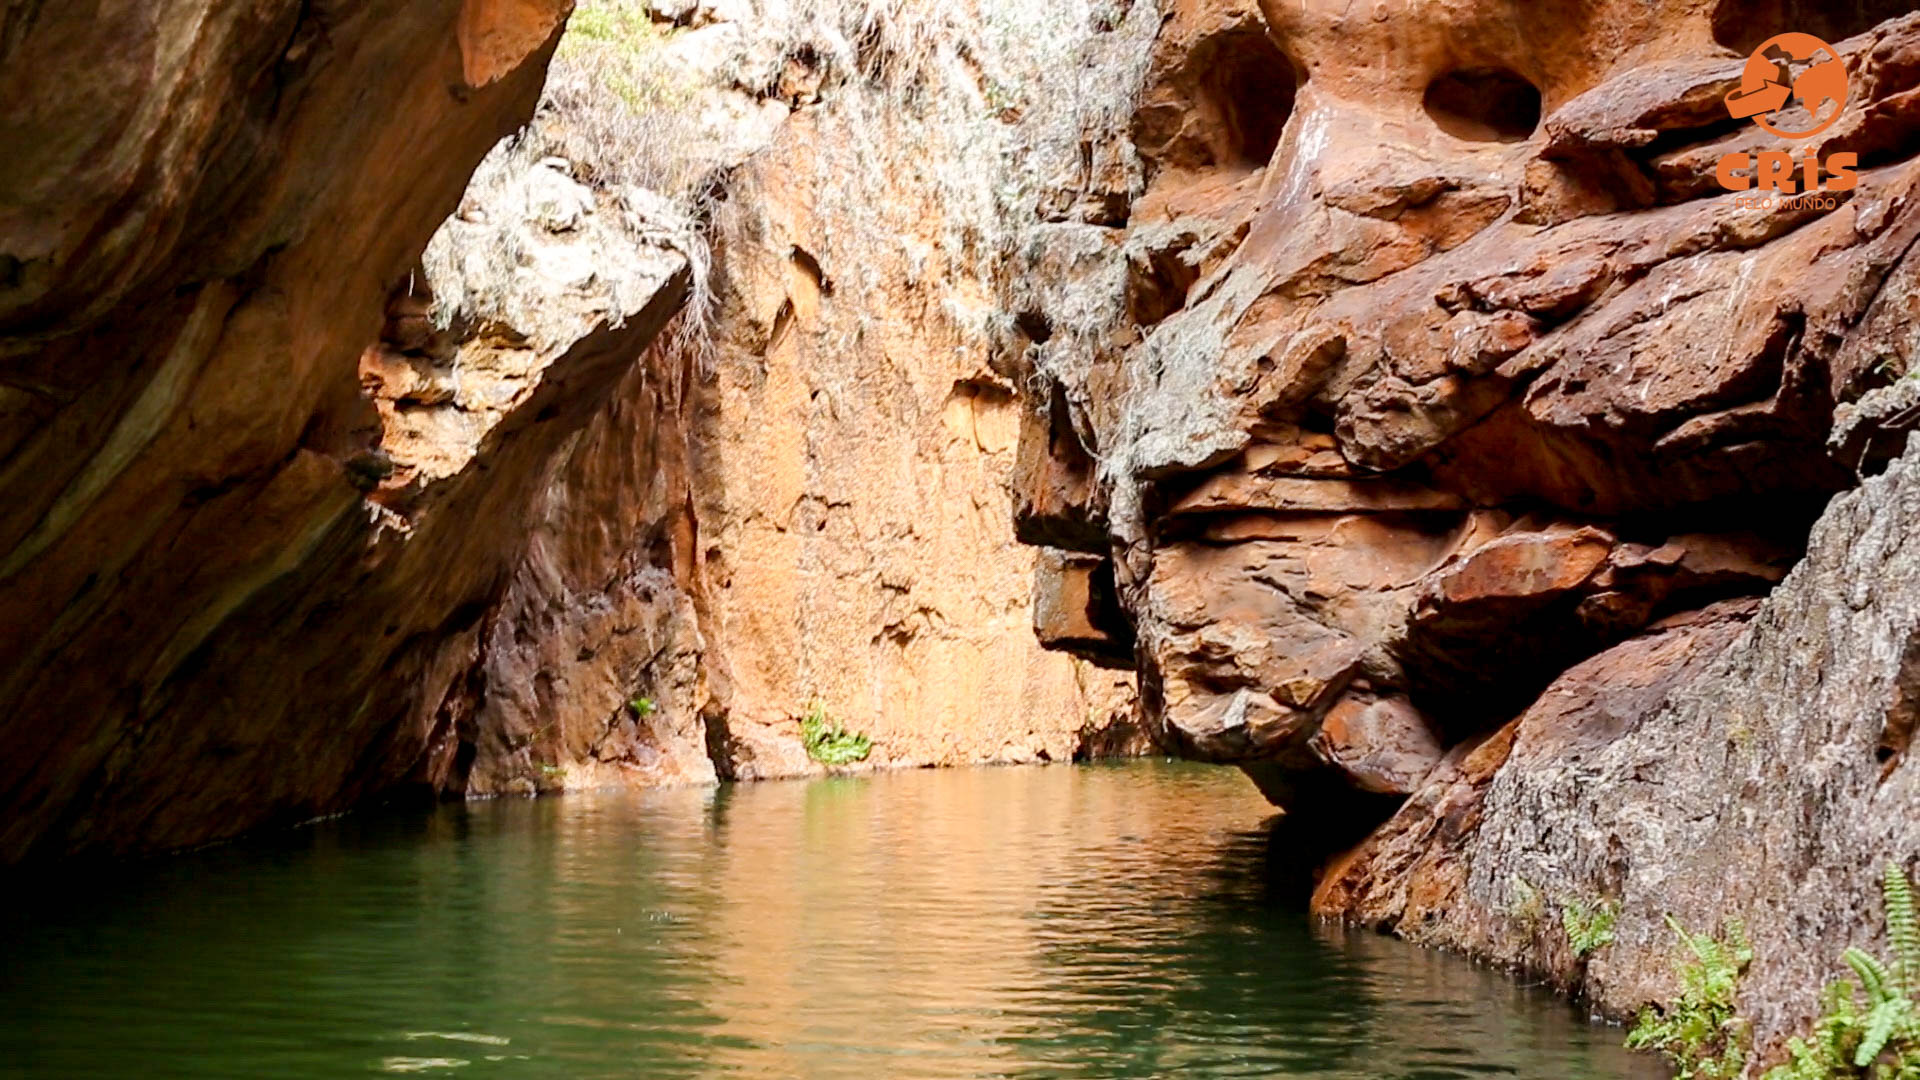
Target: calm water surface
x,y
1021,923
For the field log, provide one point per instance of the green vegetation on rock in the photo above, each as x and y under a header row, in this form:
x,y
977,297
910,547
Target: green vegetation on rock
x,y
626,51
828,743
1700,1033
1589,927
1869,1029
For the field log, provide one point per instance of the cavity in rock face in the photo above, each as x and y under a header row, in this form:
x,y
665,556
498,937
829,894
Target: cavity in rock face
x,y
1478,374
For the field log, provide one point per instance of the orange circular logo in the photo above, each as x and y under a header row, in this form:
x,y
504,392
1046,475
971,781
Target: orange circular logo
x,y
1795,86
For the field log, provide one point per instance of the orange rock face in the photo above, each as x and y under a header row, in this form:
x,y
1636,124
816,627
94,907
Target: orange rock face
x,y
1452,363
300,518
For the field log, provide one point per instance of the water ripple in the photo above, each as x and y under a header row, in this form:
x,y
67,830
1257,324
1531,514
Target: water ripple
x,y
1021,924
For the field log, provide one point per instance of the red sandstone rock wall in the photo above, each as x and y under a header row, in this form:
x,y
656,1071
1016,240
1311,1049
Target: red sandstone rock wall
x,y
287,532
1452,364
830,526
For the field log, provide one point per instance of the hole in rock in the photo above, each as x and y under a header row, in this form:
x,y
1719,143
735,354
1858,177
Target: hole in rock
x,y
1742,25
1158,284
810,266
1247,87
660,552
1035,326
1896,736
1484,105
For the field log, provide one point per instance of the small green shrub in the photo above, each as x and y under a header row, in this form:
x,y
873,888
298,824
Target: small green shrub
x,y
1589,927
1700,1033
626,51
643,707
1525,904
828,743
1869,1030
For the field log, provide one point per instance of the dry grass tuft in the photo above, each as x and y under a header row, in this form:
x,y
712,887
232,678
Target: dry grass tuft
x,y
975,118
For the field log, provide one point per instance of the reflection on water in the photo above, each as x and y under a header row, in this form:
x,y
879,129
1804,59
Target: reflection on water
x,y
1018,923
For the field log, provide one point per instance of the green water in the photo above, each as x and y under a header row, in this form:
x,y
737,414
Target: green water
x,y
1021,923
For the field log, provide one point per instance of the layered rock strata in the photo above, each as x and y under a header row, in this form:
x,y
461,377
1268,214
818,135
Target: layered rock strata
x,y
1454,466
1453,368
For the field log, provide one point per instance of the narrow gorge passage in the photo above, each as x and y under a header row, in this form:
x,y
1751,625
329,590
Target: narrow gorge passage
x,y
1478,429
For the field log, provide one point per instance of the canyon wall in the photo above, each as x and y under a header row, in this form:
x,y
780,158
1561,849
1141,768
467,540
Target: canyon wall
x,y
1463,419
207,626
859,434
340,471
854,207
1475,377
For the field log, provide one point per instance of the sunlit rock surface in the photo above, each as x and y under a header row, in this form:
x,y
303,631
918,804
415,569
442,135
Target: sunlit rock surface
x,y
1455,365
305,511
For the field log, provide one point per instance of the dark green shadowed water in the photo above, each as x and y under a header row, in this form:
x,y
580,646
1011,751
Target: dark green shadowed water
x,y
1020,923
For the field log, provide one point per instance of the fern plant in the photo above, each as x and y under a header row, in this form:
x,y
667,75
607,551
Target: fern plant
x,y
1868,1029
1589,927
1700,1032
1903,930
827,742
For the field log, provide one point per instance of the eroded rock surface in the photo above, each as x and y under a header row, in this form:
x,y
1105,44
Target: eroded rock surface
x,y
1459,424
301,519
826,523
1742,762
1451,364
